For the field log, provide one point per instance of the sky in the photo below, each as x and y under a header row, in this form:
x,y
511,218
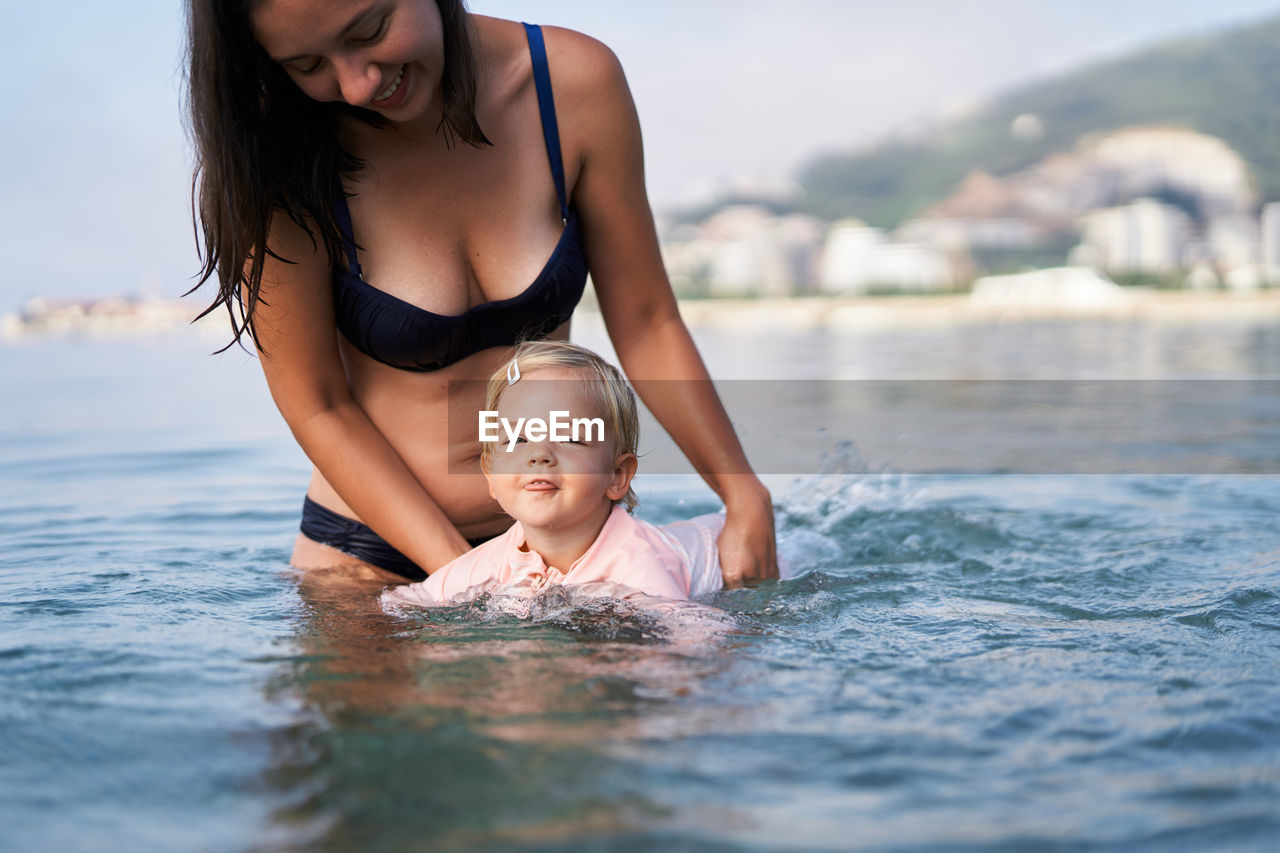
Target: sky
x,y
96,199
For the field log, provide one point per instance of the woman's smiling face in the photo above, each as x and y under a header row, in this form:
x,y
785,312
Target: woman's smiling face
x,y
556,485
382,55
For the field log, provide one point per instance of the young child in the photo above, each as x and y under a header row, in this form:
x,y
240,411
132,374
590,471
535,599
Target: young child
x,y
569,492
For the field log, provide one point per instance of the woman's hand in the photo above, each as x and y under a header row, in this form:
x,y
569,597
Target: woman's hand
x,y
297,339
748,549
601,134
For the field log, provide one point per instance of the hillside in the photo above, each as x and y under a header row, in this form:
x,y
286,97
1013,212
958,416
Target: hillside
x,y
1226,85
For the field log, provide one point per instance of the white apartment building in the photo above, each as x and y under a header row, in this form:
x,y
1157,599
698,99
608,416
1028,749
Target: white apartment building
x,y
1270,242
1145,236
745,250
857,258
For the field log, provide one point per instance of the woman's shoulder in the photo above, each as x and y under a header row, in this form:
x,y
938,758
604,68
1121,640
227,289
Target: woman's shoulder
x,y
583,68
579,53
594,108
580,64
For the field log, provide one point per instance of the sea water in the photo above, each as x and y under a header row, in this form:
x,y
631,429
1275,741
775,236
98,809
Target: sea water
x,y
968,661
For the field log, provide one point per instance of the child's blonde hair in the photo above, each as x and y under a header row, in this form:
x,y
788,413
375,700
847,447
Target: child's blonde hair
x,y
603,382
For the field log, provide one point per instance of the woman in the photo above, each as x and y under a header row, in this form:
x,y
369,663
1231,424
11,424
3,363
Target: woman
x,y
378,183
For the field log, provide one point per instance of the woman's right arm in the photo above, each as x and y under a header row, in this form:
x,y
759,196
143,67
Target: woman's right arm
x,y
297,339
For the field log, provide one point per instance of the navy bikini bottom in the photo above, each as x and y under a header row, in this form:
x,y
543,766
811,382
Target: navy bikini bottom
x,y
327,527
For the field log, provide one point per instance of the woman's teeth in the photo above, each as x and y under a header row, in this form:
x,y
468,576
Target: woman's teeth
x,y
391,90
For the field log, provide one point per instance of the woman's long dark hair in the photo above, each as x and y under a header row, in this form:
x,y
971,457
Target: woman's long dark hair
x,y
264,148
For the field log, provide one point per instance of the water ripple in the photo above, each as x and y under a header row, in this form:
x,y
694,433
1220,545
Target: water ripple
x,y
960,664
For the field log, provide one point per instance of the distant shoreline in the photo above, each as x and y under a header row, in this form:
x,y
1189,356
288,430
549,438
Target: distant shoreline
x,y
795,314
879,312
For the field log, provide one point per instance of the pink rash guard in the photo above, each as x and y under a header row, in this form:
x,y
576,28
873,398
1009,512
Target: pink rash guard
x,y
675,561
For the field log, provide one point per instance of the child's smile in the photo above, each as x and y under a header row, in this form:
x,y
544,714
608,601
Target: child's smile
x,y
563,488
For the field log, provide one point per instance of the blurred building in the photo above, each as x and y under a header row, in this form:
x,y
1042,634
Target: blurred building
x,y
107,316
1061,288
1145,201
983,212
1143,237
744,250
1144,161
857,258
1270,242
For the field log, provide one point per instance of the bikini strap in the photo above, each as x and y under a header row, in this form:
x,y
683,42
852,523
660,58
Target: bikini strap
x,y
547,108
342,213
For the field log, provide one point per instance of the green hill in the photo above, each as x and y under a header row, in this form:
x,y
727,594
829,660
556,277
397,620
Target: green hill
x,y
1226,85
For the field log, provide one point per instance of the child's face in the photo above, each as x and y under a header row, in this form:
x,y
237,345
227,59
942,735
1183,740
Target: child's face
x,y
556,485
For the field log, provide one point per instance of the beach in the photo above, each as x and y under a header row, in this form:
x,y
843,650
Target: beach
x,y
110,316
948,310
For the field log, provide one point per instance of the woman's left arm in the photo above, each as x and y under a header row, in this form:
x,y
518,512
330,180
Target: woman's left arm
x,y
636,301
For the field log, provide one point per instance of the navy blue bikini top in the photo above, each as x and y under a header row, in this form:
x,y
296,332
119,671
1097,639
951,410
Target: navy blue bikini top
x,y
403,335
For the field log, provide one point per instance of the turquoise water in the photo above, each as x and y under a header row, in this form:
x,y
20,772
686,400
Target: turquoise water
x,y
969,662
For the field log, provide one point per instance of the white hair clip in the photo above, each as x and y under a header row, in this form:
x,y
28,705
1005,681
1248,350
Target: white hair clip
x,y
513,372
